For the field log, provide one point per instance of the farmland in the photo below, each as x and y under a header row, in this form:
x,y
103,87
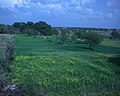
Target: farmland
x,y
44,68
59,47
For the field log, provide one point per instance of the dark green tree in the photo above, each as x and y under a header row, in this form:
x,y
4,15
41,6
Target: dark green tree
x,y
30,25
4,29
23,27
92,39
115,34
17,26
43,28
30,32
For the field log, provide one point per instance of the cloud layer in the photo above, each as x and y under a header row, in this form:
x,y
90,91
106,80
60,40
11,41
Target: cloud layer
x,y
86,13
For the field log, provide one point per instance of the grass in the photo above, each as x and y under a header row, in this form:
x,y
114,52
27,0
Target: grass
x,y
44,68
109,47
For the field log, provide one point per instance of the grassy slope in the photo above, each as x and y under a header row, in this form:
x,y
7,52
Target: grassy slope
x,y
66,70
109,47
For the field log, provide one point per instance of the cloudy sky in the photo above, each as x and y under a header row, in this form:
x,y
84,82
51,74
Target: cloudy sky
x,y
62,13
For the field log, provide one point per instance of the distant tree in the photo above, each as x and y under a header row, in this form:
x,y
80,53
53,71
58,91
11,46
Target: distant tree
x,y
62,36
2,28
17,26
30,32
30,25
115,34
43,28
10,29
23,27
55,31
79,34
92,39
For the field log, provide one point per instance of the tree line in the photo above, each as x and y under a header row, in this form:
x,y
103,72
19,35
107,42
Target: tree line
x,y
29,28
88,36
44,29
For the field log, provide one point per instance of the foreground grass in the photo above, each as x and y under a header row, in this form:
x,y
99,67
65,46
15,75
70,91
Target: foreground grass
x,y
42,67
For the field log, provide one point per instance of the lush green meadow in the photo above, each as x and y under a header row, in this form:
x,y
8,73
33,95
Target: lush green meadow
x,y
44,68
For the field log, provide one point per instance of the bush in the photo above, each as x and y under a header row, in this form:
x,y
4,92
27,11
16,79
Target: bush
x,y
115,34
92,39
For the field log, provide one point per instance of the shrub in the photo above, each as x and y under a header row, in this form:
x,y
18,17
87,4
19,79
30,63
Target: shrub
x,y
92,39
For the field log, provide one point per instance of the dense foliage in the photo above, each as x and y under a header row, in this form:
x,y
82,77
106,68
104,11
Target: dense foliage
x,y
92,39
30,28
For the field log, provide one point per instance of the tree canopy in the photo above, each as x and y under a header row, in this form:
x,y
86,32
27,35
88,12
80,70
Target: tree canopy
x,y
30,28
92,39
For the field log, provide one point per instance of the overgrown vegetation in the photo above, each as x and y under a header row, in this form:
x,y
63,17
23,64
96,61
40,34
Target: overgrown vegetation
x,y
29,28
115,34
92,39
6,54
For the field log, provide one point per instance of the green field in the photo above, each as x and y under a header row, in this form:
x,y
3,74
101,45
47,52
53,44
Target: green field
x,y
43,68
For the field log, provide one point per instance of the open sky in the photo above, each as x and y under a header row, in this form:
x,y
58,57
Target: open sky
x,y
62,13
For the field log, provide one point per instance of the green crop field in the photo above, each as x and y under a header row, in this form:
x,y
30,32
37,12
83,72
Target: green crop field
x,y
43,68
